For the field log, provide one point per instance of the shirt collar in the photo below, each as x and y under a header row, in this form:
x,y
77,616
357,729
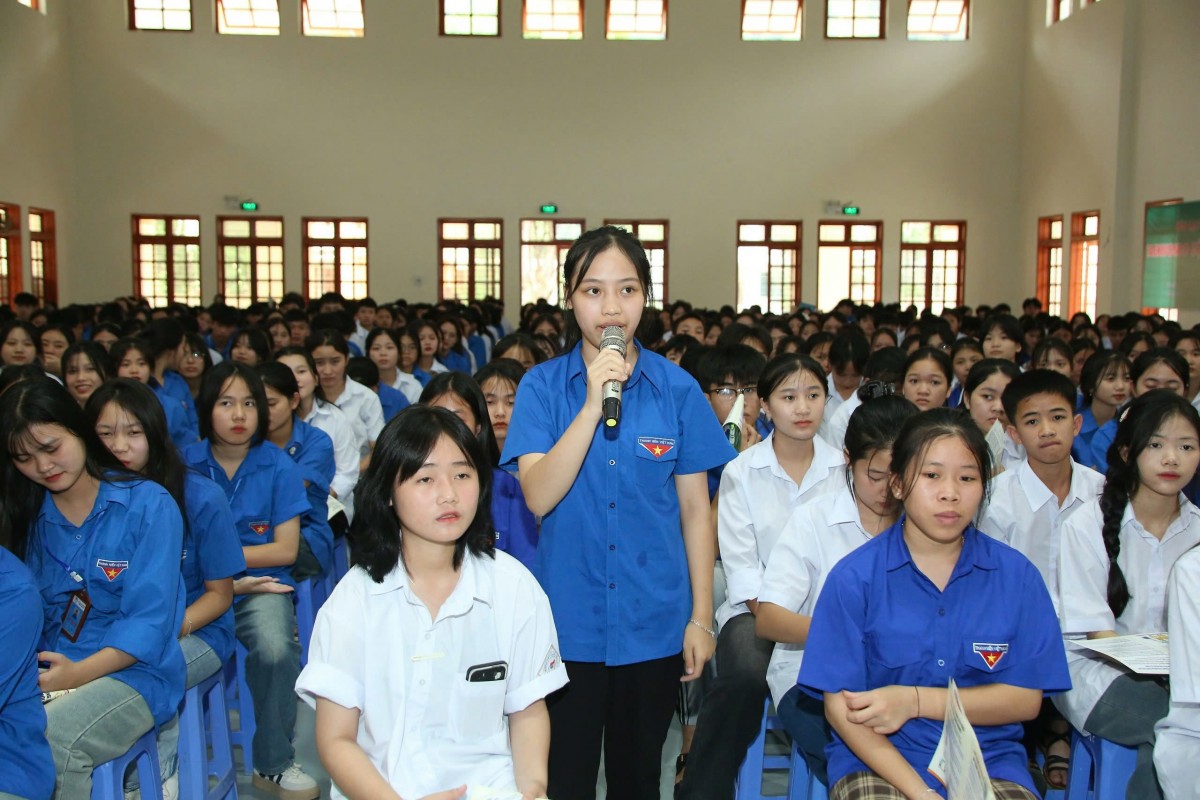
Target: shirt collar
x,y
844,508
110,492
1187,511
576,367
1038,493
474,584
973,554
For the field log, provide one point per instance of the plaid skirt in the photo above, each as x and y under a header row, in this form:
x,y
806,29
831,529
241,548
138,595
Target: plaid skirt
x,y
869,786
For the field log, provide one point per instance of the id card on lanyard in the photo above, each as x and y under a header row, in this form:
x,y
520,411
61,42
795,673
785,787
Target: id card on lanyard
x,y
78,602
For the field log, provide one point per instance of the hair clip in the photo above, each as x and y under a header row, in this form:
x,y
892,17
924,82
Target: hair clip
x,y
875,389
1124,414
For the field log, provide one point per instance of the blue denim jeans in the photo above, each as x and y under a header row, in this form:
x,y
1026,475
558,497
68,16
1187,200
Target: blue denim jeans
x,y
201,663
95,723
265,624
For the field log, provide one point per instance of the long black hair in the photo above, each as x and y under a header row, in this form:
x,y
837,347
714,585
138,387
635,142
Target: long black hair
x,y
1144,415
579,260
216,381
140,402
919,433
401,450
40,402
465,388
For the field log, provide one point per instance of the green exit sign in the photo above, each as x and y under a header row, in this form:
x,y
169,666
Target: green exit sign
x,y
850,211
549,208
249,205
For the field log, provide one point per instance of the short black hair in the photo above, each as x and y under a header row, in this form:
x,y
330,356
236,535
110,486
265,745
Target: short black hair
x,y
1033,382
401,450
741,362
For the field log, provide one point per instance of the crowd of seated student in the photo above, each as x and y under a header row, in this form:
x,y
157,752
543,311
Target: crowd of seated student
x,y
1050,399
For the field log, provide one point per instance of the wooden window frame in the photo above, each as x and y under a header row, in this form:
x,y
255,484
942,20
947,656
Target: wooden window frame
x,y
569,38
337,242
966,13
621,37
766,37
44,286
561,245
665,246
253,241
849,243
218,11
795,247
10,232
304,24
170,240
1078,287
472,244
1046,245
496,35
132,20
1056,14
882,26
930,248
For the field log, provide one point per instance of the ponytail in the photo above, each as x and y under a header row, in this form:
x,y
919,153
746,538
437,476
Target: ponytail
x,y
1113,500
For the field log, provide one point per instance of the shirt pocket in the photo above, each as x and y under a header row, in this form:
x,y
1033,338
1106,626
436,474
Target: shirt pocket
x,y
986,655
477,710
894,658
655,458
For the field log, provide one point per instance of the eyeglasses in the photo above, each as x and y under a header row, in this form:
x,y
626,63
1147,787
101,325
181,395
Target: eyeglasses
x,y
193,355
729,392
408,348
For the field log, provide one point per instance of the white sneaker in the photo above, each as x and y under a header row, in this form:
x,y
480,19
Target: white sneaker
x,y
291,784
171,787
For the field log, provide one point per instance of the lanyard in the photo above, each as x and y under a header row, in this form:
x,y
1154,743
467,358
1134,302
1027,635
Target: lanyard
x,y
75,576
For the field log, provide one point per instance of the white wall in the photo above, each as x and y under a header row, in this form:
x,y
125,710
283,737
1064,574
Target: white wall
x,y
37,149
405,126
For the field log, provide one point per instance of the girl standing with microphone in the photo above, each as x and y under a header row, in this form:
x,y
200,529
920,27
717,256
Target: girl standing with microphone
x,y
626,548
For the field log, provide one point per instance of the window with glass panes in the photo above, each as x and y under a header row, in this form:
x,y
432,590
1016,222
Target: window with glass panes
x,y
471,255
1058,10
771,20
1085,262
43,256
636,19
332,18
937,20
166,259
160,15
854,19
248,17
36,5
849,256
553,19
768,264
932,261
335,256
249,259
1050,264
544,246
653,234
10,252
470,18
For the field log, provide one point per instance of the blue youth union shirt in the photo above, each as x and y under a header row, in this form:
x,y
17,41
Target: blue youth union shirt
x,y
266,489
879,621
211,551
610,554
312,451
127,553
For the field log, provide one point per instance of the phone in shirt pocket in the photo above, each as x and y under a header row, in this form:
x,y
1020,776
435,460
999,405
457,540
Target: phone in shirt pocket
x,y
477,706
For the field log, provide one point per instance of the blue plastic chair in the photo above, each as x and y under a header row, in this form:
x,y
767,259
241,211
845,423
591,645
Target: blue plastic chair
x,y
310,595
204,724
237,695
750,774
1100,769
108,779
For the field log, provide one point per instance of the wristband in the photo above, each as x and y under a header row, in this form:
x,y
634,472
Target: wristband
x,y
704,628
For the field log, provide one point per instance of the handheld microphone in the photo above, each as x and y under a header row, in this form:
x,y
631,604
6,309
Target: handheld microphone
x,y
612,339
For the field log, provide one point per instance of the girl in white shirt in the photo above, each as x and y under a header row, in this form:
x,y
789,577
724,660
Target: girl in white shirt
x,y
329,418
1114,567
759,489
431,660
330,354
1177,749
384,348
852,507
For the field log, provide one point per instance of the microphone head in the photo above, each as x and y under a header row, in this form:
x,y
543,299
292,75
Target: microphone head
x,y
613,338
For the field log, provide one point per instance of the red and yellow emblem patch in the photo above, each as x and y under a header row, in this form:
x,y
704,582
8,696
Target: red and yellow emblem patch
x,y
111,569
990,652
656,447
260,527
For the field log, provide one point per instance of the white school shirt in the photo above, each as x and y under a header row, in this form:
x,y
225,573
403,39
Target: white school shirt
x,y
817,536
333,421
1012,455
833,426
1023,513
408,385
755,499
1083,586
423,723
1177,742
363,408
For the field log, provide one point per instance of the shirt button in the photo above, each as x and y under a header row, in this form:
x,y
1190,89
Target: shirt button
x,y
428,635
422,681
612,547
610,505
941,612
941,663
612,462
612,586
78,536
